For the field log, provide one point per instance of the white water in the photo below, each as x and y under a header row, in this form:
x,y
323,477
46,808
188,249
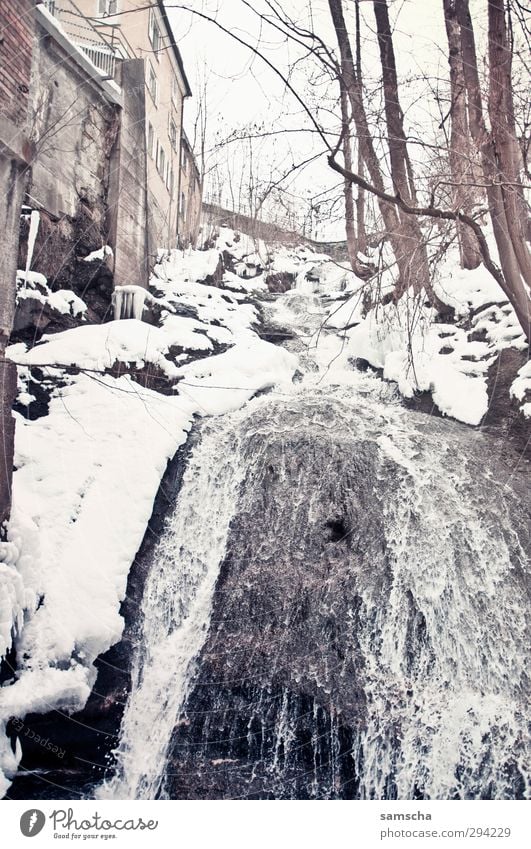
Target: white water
x,y
176,611
444,714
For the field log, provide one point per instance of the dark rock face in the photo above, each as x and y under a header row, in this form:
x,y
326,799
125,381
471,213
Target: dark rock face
x,y
279,282
503,417
7,425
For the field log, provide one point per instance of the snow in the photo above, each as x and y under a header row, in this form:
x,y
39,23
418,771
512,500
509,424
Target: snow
x,y
346,313
98,346
224,382
67,302
100,254
33,285
34,222
521,388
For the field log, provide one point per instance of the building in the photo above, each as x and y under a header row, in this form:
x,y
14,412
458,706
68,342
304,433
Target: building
x,y
137,30
108,92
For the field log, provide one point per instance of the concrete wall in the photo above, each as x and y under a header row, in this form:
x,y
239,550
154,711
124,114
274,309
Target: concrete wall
x,y
128,191
16,27
189,198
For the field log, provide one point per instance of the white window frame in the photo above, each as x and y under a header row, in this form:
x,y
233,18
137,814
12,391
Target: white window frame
x,y
161,161
172,135
155,34
106,8
150,139
152,76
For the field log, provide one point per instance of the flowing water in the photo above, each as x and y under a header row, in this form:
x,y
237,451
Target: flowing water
x,y
336,608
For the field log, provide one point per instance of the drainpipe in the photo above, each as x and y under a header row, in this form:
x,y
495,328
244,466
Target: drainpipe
x,y
179,170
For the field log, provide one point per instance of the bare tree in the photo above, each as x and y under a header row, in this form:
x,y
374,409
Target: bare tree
x,y
497,153
462,154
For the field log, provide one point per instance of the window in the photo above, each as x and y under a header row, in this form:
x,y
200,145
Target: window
x,y
172,184
184,159
107,7
154,32
175,92
153,85
172,132
161,164
150,140
183,205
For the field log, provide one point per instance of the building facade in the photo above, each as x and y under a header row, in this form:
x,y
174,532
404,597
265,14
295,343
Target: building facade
x,y
143,31
108,94
190,196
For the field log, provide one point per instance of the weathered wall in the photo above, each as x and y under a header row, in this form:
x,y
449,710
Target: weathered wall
x,y
16,25
190,190
74,128
127,188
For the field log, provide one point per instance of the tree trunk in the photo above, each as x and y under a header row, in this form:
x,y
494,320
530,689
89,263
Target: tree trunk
x,y
501,114
401,171
350,230
493,174
400,242
360,200
461,149
360,209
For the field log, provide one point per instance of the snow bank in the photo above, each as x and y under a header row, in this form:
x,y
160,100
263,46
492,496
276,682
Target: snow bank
x,y
421,354
521,388
226,381
86,476
33,285
100,254
99,346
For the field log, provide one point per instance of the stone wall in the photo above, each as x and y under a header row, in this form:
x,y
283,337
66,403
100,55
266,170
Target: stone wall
x,y
218,216
75,128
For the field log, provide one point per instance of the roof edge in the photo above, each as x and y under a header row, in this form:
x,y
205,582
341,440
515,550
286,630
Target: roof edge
x,y
176,51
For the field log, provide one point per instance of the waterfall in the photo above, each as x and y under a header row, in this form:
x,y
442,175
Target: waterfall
x,y
175,611
336,609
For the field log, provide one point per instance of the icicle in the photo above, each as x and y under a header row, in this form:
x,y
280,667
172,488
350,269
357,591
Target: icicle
x,y
35,218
